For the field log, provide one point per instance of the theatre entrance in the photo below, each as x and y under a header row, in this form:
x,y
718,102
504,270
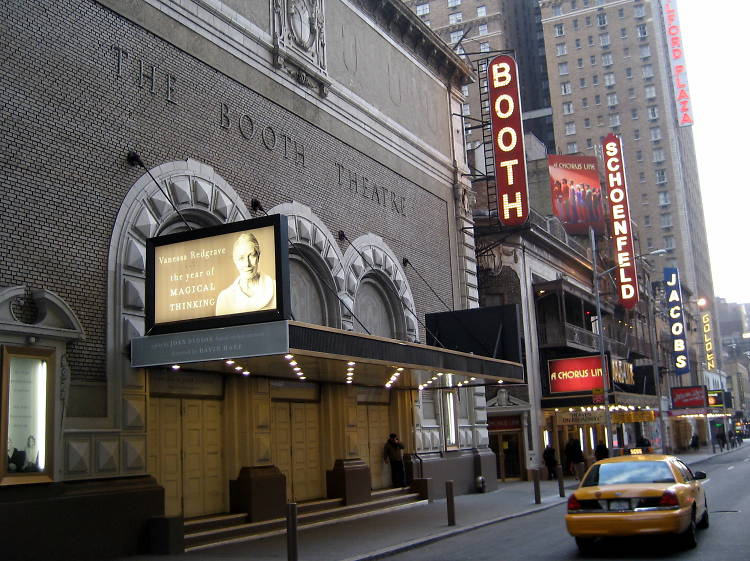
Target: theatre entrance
x,y
373,424
296,448
184,455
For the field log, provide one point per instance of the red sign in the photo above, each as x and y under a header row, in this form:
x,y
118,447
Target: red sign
x,y
508,143
677,60
619,216
689,396
509,422
579,374
576,193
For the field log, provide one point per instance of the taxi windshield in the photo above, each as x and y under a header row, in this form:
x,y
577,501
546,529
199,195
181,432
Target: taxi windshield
x,y
618,473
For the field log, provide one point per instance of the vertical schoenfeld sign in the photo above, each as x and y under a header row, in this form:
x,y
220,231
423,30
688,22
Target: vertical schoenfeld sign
x,y
507,142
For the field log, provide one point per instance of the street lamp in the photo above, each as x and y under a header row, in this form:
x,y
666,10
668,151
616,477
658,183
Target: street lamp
x,y
600,321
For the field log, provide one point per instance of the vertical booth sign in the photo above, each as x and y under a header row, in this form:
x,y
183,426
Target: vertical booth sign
x,y
680,361
508,142
619,220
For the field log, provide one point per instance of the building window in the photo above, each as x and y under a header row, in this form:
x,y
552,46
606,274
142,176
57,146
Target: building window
x,y
639,155
572,147
484,47
588,21
456,36
575,24
562,68
455,18
597,100
600,122
609,79
565,88
607,59
557,10
634,116
604,39
465,90
27,382
589,143
483,30
661,176
584,102
668,242
481,11
642,31
582,82
628,72
595,79
649,243
465,109
614,120
593,60
663,198
645,51
639,11
626,52
567,108
647,220
659,155
590,40
587,123
578,43
559,30
648,71
637,133
423,9
653,112
612,99
580,63
570,128
601,19
665,220
454,3
650,92
642,179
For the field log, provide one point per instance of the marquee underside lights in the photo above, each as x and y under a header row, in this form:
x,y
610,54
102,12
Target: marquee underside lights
x,y
508,142
619,219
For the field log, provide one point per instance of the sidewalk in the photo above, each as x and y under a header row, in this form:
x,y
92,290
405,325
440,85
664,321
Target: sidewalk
x,y
400,529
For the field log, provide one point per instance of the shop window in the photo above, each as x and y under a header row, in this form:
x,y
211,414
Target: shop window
x,y
27,414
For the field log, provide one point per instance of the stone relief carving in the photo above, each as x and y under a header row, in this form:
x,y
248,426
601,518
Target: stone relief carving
x,y
299,45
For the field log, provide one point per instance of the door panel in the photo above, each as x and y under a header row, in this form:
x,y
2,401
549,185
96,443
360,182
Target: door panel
x,y
214,480
165,450
192,444
296,448
282,441
372,432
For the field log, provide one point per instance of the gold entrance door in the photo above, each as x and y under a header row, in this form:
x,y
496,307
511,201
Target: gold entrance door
x,y
373,430
296,448
185,455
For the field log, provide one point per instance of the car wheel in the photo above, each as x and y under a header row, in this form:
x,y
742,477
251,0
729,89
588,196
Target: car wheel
x,y
687,538
703,524
585,545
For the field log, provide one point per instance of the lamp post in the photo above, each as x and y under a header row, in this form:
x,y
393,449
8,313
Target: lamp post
x,y
600,320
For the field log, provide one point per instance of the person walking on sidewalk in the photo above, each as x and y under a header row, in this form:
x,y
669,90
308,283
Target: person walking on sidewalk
x,y
574,455
393,453
721,438
550,461
601,451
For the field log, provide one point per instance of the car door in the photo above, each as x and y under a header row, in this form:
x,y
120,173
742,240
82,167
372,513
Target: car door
x,y
696,489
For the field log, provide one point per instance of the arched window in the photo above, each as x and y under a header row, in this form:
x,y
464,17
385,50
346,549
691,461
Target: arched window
x,y
312,301
378,309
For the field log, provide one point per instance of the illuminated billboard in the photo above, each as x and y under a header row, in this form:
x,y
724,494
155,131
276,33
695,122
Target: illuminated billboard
x,y
576,191
577,374
688,397
673,295
508,142
708,341
675,49
619,220
212,277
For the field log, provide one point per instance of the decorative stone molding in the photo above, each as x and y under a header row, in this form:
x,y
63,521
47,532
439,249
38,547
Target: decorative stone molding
x,y
369,253
38,313
299,45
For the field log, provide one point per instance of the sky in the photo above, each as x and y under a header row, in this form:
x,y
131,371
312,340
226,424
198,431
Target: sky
x,y
713,36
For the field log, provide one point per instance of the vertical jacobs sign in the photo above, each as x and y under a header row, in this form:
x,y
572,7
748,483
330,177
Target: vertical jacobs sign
x,y
619,219
507,142
680,361
708,341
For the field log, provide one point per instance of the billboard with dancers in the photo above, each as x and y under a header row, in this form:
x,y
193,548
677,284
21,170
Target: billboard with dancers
x,y
576,193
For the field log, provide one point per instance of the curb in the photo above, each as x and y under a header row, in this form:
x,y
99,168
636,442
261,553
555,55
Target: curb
x,y
413,544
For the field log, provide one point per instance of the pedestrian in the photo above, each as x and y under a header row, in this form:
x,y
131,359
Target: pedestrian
x,y
721,438
550,461
574,455
601,451
732,441
393,453
694,442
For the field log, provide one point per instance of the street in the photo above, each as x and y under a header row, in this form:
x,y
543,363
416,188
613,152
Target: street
x,y
542,536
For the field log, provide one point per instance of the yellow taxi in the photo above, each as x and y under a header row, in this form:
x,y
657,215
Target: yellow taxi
x,y
637,495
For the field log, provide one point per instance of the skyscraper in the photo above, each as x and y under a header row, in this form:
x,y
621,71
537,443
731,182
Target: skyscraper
x,y
609,65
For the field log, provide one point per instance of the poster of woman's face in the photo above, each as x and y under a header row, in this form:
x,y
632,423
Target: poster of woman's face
x,y
576,193
215,276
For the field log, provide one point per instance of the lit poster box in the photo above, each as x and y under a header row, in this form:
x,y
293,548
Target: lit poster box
x,y
220,276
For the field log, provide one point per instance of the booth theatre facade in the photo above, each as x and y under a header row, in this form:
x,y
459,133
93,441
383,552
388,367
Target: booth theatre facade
x,y
227,222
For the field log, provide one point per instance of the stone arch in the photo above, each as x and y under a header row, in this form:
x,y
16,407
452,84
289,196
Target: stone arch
x,y
369,258
310,237
204,199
